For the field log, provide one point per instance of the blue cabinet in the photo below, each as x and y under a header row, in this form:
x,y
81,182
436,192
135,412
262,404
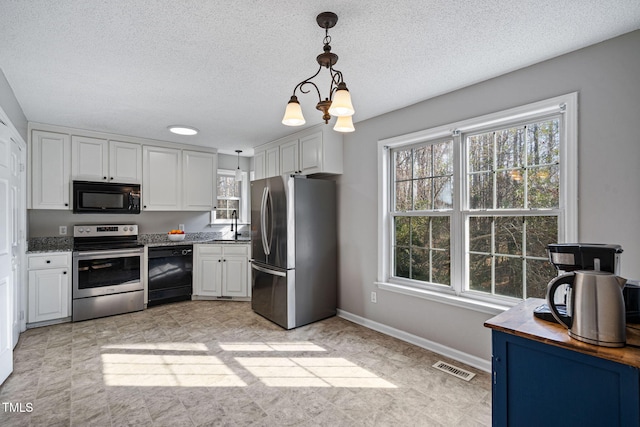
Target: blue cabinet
x,y
538,384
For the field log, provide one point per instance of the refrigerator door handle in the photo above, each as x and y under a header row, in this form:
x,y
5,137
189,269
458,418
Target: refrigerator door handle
x,y
263,220
268,270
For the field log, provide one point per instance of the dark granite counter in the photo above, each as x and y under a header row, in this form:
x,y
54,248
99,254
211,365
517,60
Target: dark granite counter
x,y
50,244
65,244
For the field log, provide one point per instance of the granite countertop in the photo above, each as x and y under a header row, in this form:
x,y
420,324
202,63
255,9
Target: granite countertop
x,y
50,244
65,244
200,242
520,321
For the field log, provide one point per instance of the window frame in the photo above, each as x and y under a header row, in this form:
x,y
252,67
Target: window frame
x,y
565,106
243,211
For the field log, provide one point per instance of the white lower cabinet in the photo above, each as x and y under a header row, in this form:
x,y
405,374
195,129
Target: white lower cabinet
x,y
49,293
221,271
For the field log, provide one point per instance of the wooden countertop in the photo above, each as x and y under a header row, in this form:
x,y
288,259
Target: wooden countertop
x,y
520,321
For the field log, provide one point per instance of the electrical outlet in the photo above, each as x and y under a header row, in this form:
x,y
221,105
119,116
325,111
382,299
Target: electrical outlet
x,y
374,297
62,230
181,227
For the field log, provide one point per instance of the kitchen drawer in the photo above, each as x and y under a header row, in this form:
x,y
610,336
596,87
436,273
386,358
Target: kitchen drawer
x,y
236,249
209,250
53,260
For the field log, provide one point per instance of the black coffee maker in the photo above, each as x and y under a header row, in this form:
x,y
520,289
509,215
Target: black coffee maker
x,y
568,257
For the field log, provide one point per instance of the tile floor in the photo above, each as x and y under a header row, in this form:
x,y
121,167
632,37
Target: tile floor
x,y
216,363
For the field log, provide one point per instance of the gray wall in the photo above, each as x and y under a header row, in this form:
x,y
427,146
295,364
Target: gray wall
x,y
11,107
607,77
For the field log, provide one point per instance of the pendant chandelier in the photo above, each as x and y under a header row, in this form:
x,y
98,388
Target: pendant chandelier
x,y
238,176
338,103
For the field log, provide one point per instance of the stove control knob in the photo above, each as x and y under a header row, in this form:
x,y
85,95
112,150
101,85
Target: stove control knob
x,y
125,228
80,230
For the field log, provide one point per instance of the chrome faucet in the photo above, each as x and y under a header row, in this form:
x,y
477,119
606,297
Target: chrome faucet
x,y
234,217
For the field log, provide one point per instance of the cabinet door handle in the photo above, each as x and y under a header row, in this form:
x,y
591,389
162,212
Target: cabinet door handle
x,y
104,177
219,260
66,204
64,272
111,178
48,261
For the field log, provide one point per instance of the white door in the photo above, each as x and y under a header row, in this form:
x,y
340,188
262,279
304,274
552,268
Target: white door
x,y
7,287
18,188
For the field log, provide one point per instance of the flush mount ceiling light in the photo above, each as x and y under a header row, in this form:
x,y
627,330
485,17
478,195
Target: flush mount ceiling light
x,y
238,171
183,130
338,103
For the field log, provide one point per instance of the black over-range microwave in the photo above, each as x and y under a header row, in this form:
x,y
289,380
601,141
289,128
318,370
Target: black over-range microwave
x,y
106,197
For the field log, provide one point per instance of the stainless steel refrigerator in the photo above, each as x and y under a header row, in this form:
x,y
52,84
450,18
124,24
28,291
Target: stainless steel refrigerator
x,y
293,244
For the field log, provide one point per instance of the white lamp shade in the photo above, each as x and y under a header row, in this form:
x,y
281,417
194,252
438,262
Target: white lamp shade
x,y
341,104
344,124
238,175
293,115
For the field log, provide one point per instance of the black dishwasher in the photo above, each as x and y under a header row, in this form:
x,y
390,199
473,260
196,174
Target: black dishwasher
x,y
170,274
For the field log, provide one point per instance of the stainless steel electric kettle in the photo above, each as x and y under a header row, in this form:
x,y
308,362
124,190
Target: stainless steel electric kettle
x,y
595,307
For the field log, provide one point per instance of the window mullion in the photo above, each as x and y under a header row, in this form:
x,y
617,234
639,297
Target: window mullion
x,y
493,256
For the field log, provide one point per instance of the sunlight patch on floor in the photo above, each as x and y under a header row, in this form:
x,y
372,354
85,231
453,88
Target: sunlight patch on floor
x,y
311,372
149,370
271,346
132,365
168,346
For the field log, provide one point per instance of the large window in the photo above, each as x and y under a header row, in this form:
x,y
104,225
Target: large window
x,y
423,185
468,209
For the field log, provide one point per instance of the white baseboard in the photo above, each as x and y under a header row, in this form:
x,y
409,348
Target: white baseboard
x,y
476,362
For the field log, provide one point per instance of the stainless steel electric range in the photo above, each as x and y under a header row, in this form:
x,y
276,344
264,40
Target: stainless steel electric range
x,y
107,271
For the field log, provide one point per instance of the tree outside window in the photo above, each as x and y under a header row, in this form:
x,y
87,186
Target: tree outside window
x,y
508,212
229,196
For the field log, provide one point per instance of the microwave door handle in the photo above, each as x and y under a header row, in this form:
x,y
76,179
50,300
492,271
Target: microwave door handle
x,y
263,220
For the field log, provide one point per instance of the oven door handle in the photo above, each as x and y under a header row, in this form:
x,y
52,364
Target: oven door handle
x,y
109,252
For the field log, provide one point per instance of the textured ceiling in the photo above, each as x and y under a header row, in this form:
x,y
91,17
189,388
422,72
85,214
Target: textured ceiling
x,y
228,68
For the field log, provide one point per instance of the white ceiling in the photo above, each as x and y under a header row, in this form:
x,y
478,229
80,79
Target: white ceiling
x,y
228,68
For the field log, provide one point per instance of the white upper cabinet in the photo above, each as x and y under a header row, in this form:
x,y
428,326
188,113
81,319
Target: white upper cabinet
x,y
162,179
311,154
125,162
199,180
50,170
289,162
89,158
259,166
173,177
317,150
272,161
94,159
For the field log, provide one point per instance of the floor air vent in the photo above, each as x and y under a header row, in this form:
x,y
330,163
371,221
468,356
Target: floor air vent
x,y
453,370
